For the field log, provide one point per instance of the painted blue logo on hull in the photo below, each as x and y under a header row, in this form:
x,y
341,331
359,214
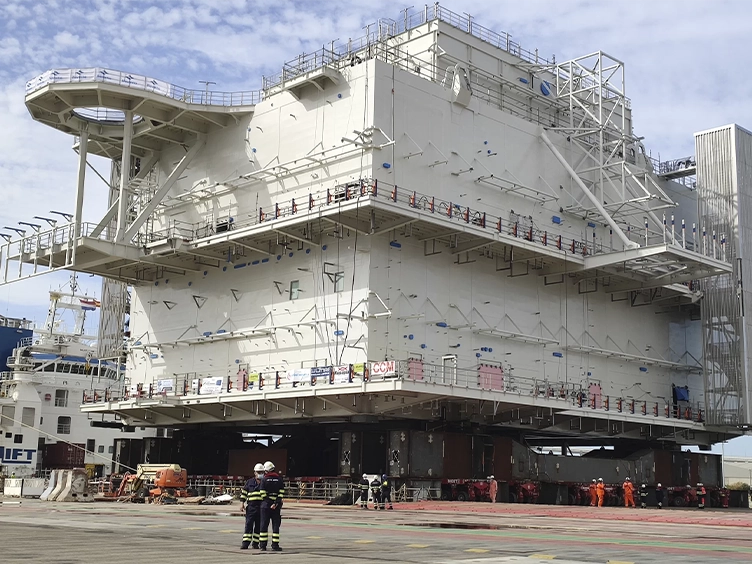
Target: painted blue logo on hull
x,y
16,455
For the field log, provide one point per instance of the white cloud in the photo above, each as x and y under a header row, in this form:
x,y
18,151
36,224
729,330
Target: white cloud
x,y
67,40
10,48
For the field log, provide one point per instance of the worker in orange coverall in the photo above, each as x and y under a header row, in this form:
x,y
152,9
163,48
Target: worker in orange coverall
x,y
593,493
493,489
628,493
600,491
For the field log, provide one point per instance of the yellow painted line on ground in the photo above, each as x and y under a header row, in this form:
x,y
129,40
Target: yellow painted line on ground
x,y
193,528
542,556
619,562
478,550
364,541
228,531
154,526
418,546
314,537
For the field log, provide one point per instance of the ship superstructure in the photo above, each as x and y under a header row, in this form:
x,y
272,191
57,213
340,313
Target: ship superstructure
x,y
48,375
428,229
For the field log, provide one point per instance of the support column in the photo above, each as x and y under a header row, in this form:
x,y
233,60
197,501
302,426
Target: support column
x,y
83,150
125,168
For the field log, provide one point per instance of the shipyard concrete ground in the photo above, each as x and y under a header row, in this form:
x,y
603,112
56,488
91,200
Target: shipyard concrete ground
x,y
438,532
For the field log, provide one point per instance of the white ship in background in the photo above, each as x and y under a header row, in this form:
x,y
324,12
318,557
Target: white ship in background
x,y
45,373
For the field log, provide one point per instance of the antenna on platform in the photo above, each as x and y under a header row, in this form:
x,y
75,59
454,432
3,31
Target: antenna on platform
x,y
206,95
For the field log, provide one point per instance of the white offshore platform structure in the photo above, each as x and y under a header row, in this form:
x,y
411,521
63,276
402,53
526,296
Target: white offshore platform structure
x,y
426,236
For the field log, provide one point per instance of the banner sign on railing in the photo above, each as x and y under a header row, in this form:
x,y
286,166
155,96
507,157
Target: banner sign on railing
x,y
165,386
320,372
341,374
299,375
211,386
383,368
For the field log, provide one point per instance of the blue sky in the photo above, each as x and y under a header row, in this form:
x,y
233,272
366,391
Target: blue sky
x,y
682,72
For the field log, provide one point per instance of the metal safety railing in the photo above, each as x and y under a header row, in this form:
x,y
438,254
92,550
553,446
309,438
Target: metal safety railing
x,y
320,489
564,395
139,82
338,54
39,248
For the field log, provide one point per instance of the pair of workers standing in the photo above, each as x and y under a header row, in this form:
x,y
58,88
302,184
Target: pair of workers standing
x,y
598,493
262,502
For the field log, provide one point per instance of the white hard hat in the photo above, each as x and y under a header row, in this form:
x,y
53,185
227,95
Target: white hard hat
x,y
258,468
594,479
628,480
269,466
659,485
600,479
365,475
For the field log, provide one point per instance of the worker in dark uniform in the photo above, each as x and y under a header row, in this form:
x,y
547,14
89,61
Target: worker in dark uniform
x,y
376,492
364,484
272,492
250,495
659,496
643,496
386,493
701,493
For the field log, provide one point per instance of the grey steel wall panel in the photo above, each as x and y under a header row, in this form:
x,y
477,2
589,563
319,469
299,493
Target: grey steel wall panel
x,y
426,454
346,454
725,204
399,453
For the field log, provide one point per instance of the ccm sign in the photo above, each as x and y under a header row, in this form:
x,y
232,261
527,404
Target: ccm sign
x,y
16,455
385,368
